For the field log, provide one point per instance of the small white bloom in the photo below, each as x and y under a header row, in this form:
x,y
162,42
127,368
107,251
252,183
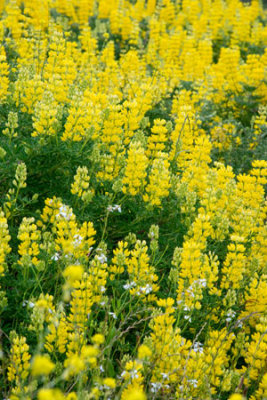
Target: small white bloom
x,y
129,285
78,240
30,304
65,212
55,257
102,258
145,289
194,382
113,315
198,347
164,375
203,282
155,387
116,207
230,315
134,374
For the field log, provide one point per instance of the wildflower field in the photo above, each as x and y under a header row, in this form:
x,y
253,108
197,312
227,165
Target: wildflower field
x,y
133,239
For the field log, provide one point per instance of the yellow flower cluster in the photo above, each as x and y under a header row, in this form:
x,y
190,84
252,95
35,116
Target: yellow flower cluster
x,y
4,241
80,186
19,366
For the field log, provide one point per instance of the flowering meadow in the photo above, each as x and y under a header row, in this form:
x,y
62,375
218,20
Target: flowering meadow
x,y
133,238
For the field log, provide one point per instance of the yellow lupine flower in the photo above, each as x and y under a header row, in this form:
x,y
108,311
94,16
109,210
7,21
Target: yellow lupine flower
x,y
144,352
50,394
136,394
19,359
135,172
4,240
73,273
109,382
98,339
236,396
42,365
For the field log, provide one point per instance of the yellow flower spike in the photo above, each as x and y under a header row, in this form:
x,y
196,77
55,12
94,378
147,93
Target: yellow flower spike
x,y
136,394
95,393
71,396
74,365
144,352
73,273
50,394
110,383
98,339
80,186
142,275
89,351
156,141
135,172
4,240
236,396
19,359
159,182
42,365
92,361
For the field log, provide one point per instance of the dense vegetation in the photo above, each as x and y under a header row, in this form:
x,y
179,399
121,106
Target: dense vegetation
x,y
133,240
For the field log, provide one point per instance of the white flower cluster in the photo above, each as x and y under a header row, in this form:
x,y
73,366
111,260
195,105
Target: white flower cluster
x,y
78,240
65,212
187,317
130,285
145,290
134,374
156,386
198,347
30,303
230,315
202,283
116,207
193,382
55,257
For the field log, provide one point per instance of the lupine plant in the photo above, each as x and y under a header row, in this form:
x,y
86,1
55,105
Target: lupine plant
x,y
133,169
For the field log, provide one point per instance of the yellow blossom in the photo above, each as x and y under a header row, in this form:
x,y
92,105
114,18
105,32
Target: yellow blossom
x,y
73,273
42,365
109,382
98,339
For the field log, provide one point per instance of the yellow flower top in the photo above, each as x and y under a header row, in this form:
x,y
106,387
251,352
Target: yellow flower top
x,y
42,365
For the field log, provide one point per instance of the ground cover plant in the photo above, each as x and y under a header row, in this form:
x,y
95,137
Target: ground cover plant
x,y
133,240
